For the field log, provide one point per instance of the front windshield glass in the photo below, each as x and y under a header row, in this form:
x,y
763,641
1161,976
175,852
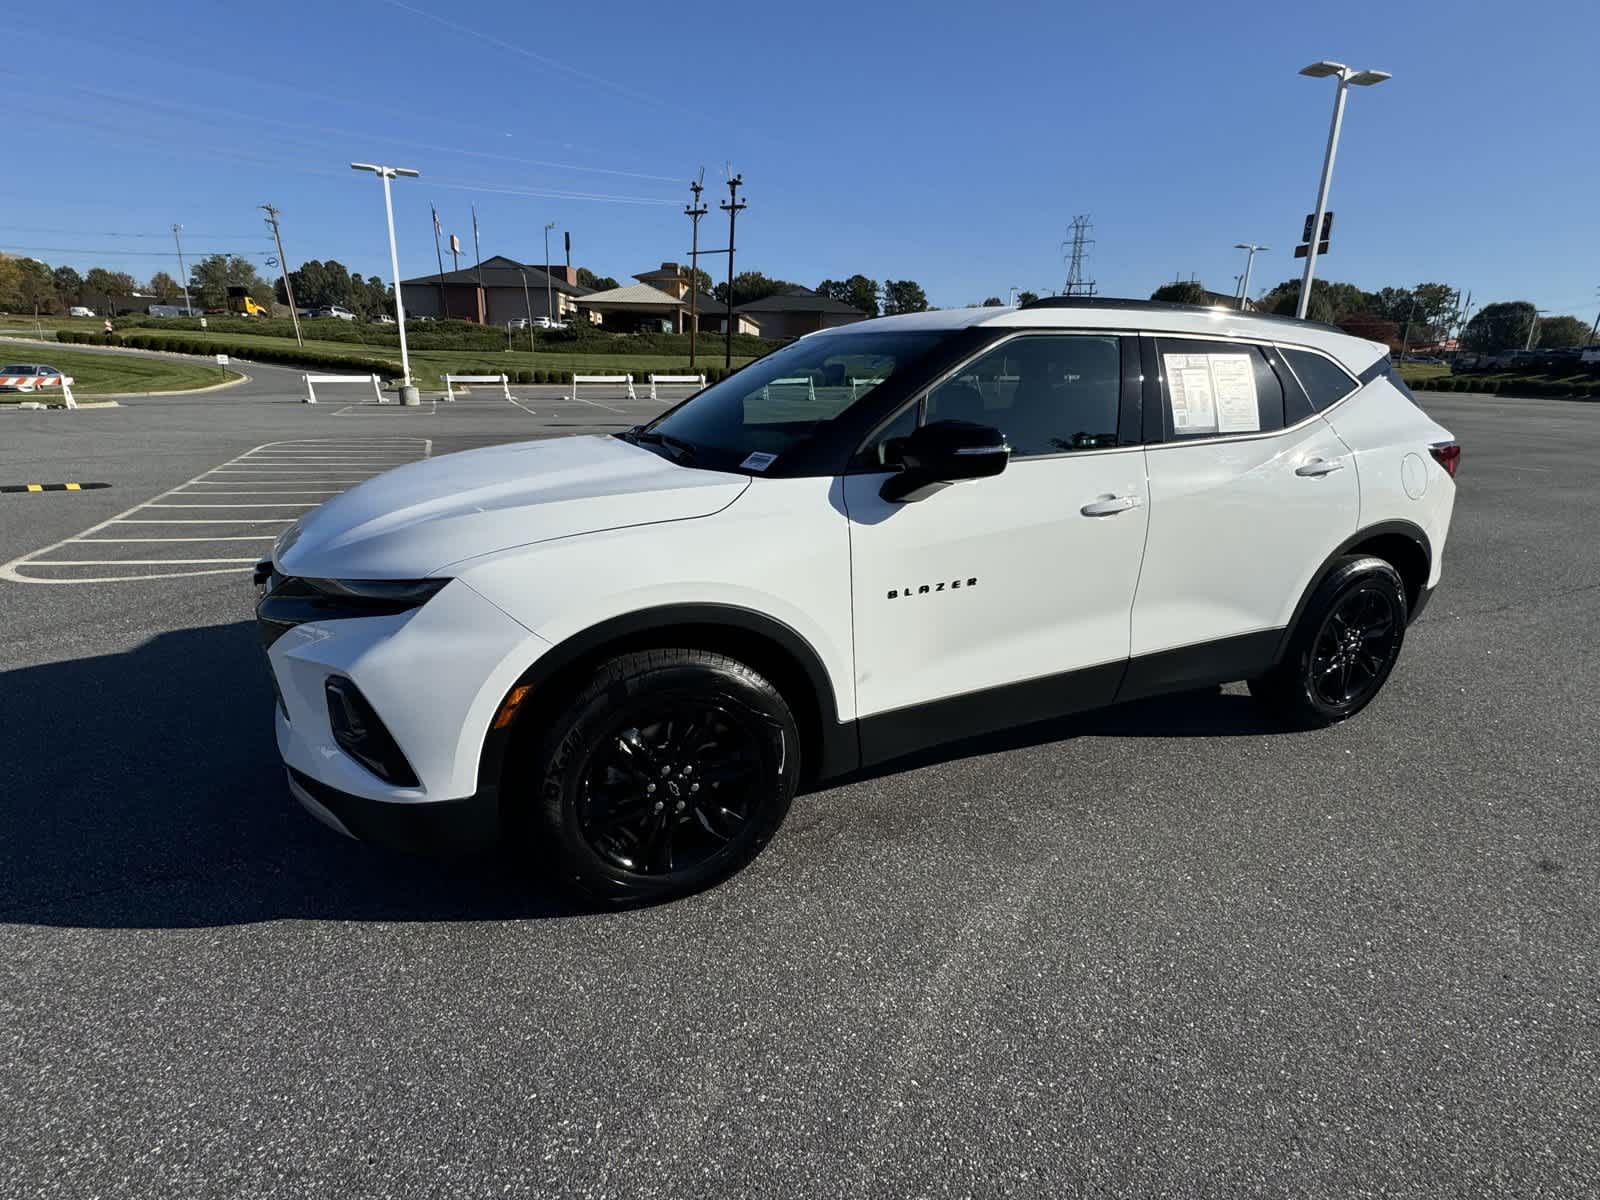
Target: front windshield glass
x,y
781,400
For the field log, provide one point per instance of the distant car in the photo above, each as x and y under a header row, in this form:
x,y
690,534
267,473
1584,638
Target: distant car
x,y
517,323
383,319
78,310
343,314
13,370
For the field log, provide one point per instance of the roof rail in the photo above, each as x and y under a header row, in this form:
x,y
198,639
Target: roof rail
x,y
1165,306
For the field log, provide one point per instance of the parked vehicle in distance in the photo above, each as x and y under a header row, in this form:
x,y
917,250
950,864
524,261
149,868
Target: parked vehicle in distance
x,y
78,310
1589,355
165,310
242,303
516,323
21,371
625,653
382,319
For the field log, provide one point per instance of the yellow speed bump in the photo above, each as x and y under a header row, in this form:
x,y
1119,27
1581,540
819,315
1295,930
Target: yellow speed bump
x,y
51,487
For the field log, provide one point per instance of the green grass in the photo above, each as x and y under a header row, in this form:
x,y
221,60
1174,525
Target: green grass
x,y
109,374
1414,373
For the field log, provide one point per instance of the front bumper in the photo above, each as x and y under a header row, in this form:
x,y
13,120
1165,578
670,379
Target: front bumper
x,y
435,676
447,826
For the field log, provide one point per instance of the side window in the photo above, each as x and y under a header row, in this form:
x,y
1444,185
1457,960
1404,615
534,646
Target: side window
x,y
1049,394
1214,389
1324,380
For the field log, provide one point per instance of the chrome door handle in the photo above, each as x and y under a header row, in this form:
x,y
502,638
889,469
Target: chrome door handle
x,y
1108,506
1320,466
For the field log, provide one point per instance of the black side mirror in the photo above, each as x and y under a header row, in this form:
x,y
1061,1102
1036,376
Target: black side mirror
x,y
946,452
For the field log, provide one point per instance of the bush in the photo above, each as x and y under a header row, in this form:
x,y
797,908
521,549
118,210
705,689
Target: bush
x,y
524,376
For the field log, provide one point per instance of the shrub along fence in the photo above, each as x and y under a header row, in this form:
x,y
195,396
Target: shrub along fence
x,y
1579,389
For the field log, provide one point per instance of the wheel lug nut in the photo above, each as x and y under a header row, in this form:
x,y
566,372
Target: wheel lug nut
x,y
665,771
659,806
688,768
680,806
649,789
694,787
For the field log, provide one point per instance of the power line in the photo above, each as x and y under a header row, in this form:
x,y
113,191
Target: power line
x,y
109,253
109,233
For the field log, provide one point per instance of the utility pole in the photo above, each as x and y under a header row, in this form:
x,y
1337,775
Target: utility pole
x,y
1251,249
1077,285
1533,327
527,308
283,263
733,206
408,390
1595,328
694,212
438,254
477,253
183,271
549,284
1405,338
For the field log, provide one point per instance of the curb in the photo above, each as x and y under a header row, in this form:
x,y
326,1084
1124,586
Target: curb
x,y
137,353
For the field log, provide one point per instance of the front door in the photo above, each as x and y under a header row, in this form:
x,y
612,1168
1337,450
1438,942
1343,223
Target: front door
x,y
997,601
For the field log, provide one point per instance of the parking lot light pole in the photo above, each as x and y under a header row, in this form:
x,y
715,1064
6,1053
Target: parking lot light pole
x,y
386,174
1346,77
1250,257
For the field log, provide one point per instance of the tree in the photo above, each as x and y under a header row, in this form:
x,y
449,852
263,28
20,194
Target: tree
x,y
993,302
701,280
1330,301
1559,333
68,284
600,283
104,284
1497,327
858,291
749,286
904,296
164,287
213,275
1429,309
1027,297
1182,291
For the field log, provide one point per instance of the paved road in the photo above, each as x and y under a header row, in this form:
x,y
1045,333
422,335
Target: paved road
x,y
1163,950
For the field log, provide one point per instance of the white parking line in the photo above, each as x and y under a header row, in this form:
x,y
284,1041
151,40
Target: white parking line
x,y
293,468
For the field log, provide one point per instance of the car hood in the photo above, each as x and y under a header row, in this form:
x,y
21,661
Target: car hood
x,y
418,519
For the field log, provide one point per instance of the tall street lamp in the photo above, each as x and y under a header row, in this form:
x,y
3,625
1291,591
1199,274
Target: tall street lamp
x,y
1251,250
549,298
527,308
386,174
1346,77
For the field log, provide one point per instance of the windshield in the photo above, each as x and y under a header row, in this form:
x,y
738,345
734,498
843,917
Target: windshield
x,y
777,402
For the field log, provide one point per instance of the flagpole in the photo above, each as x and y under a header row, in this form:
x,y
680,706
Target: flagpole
x,y
444,308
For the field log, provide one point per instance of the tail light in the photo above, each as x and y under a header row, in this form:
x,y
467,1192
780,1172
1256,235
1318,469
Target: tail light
x,y
1447,455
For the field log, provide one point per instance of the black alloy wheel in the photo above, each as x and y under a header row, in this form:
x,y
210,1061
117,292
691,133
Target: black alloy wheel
x,y
667,772
671,784
1355,647
1342,648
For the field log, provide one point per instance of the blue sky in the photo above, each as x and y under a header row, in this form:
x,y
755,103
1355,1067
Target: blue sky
x,y
947,142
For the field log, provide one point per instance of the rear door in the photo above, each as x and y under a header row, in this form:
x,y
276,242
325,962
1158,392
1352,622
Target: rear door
x,y
1250,491
997,601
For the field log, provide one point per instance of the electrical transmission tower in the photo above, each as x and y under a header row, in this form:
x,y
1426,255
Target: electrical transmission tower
x,y
1074,252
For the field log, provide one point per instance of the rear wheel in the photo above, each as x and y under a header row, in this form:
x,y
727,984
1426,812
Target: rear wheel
x,y
667,773
1344,647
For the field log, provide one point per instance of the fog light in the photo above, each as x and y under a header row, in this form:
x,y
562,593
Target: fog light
x,y
362,735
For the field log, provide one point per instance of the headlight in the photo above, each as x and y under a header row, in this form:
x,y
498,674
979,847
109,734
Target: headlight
x,y
401,593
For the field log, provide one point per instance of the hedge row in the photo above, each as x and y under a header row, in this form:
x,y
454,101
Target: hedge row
x,y
1551,388
294,356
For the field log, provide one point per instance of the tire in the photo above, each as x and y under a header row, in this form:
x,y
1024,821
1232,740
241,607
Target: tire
x,y
626,789
1343,648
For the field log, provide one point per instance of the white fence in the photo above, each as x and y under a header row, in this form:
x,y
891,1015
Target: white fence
x,y
32,383
370,380
615,380
790,389
451,380
696,380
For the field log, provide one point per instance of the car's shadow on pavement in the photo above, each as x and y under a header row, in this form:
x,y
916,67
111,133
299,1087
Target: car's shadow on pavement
x,y
143,790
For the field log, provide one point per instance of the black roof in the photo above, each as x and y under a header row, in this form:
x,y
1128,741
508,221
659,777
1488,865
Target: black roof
x,y
500,271
1165,306
799,300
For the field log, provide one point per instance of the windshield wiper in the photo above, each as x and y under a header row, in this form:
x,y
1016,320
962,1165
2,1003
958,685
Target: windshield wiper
x,y
683,452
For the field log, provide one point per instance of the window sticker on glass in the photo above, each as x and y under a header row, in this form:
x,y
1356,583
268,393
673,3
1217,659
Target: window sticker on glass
x,y
1189,386
1233,383
1212,393
759,461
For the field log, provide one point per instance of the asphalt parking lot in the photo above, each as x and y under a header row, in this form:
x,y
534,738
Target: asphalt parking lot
x,y
1164,950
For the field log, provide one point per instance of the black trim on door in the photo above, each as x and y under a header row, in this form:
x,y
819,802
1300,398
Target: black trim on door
x,y
906,730
1223,661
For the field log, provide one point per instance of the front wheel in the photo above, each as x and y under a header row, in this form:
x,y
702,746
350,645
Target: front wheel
x,y
1343,648
668,772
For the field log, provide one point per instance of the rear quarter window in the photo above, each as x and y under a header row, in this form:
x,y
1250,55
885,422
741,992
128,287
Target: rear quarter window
x,y
1325,381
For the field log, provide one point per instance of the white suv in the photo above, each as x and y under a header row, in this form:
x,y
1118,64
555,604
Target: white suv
x,y
625,653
